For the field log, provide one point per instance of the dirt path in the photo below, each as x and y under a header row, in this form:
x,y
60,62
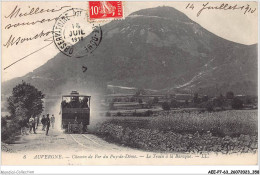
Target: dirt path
x,y
59,142
59,148
73,148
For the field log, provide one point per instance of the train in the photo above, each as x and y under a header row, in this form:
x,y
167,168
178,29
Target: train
x,y
75,112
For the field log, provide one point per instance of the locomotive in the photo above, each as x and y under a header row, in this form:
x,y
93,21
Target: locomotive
x,y
75,112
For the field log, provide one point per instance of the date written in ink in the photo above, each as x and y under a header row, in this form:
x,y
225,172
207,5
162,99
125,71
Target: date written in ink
x,y
246,8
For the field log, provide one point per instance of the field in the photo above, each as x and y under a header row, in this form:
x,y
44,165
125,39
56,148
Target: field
x,y
233,131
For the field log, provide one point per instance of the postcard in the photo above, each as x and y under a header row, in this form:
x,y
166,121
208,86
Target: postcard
x,y
129,83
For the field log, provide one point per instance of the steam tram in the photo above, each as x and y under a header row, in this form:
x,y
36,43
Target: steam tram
x,y
75,112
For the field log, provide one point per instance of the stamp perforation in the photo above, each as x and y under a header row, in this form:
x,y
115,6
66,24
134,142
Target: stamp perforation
x,y
106,19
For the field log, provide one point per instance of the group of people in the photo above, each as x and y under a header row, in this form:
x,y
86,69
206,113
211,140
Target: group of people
x,y
46,122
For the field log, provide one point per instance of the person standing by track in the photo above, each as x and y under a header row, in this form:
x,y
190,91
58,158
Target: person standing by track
x,y
32,125
48,122
52,121
43,122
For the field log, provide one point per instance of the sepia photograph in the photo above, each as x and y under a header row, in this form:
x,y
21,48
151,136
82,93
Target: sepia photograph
x,y
129,83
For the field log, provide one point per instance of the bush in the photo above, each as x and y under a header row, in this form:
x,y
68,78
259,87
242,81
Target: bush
x,y
148,113
209,107
227,131
230,95
237,103
9,131
132,99
166,106
174,103
157,140
155,100
150,103
108,114
111,106
137,114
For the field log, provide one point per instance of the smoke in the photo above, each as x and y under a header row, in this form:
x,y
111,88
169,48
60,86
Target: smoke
x,y
56,111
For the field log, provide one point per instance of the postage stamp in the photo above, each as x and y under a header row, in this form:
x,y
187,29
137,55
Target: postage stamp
x,y
108,10
74,36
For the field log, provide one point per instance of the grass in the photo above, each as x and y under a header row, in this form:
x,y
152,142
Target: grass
x,y
226,131
231,123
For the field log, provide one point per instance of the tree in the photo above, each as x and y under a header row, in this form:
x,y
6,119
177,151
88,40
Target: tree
x,y
150,103
237,103
219,101
174,103
196,99
140,101
26,101
155,100
205,98
111,106
166,106
140,91
248,100
230,95
132,99
209,107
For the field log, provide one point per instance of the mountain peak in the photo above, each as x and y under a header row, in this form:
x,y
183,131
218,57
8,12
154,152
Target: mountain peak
x,y
163,12
157,48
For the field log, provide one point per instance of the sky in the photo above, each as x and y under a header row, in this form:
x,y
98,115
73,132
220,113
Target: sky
x,y
232,25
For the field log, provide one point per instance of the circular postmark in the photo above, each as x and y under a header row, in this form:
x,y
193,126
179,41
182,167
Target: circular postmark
x,y
74,36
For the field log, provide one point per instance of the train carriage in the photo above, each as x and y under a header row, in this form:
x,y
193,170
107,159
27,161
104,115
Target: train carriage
x,y
75,112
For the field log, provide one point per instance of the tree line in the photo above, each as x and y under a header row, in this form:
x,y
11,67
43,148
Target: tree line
x,y
222,102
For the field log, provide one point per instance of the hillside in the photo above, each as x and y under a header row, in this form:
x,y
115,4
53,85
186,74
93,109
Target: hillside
x,y
157,48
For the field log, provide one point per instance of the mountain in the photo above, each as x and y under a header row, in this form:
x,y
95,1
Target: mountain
x,y
159,49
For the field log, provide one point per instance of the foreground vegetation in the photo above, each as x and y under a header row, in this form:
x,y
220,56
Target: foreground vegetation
x,y
226,132
25,101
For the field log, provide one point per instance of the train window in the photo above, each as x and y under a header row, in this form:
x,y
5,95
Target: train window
x,y
84,102
75,102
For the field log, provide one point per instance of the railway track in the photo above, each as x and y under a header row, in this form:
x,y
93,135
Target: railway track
x,y
84,135
86,141
78,142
